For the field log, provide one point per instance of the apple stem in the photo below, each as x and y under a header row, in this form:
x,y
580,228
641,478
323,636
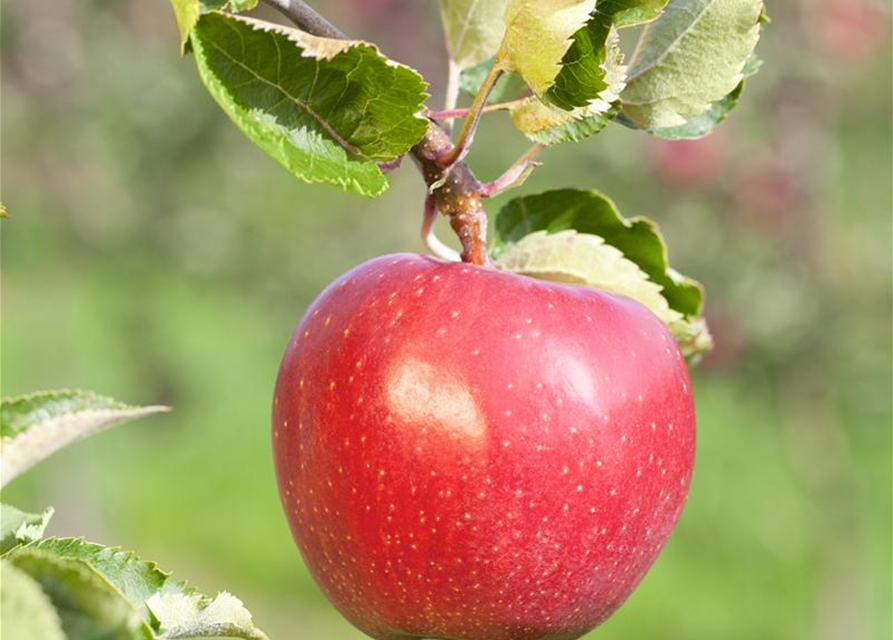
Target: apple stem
x,y
454,189
456,193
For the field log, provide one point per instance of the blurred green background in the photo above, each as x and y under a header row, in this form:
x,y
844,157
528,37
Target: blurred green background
x,y
155,255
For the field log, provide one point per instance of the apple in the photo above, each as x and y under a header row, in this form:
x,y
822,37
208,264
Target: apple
x,y
470,454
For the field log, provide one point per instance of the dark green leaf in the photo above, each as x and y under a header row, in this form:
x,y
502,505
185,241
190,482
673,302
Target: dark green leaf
x,y
638,239
37,425
25,610
18,527
327,110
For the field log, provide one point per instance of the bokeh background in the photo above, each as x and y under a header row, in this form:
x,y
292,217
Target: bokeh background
x,y
155,255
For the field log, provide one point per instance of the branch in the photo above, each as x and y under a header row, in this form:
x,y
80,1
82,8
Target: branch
x,y
455,191
307,18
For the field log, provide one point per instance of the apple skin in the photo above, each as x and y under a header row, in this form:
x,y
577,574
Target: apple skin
x,y
469,454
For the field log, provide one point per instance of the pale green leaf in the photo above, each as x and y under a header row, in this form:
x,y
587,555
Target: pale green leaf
x,y
538,35
704,124
690,58
629,13
193,616
474,29
187,13
25,610
327,110
34,426
18,527
638,240
82,597
581,258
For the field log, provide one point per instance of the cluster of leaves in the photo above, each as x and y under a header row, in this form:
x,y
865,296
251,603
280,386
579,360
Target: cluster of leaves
x,y
336,110
70,589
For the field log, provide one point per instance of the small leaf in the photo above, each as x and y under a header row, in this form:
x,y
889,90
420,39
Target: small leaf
x,y
474,29
581,258
693,56
26,611
538,35
33,427
3,212
638,240
18,527
187,13
193,616
630,13
549,125
79,593
327,110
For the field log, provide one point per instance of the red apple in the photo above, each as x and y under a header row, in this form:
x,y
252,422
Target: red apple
x,y
468,454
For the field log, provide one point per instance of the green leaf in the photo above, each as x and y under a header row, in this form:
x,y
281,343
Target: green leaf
x,y
78,592
538,35
327,110
704,124
638,240
693,56
3,212
474,29
508,87
26,611
135,579
548,125
34,426
18,527
193,616
167,607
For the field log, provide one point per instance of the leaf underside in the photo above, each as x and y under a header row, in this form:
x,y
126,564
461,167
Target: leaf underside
x,y
692,57
34,426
